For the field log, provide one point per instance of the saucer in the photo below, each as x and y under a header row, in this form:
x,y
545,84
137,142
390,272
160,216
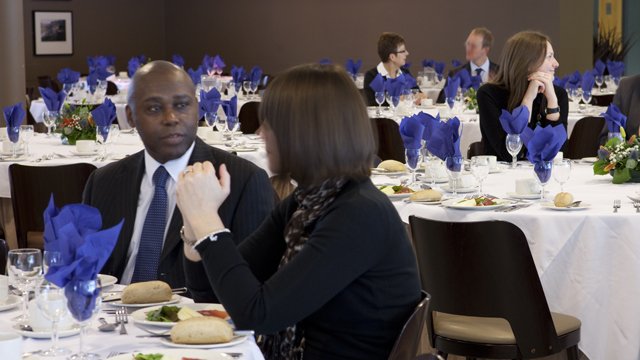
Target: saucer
x,y
11,302
533,196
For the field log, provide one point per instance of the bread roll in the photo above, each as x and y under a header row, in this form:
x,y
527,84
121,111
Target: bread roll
x,y
392,165
202,330
146,292
426,195
563,199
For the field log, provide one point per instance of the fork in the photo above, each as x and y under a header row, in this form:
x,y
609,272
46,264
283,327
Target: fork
x,y
122,318
636,204
616,205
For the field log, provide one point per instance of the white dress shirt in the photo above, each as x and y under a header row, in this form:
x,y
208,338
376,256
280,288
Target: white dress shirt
x,y
485,70
173,167
383,70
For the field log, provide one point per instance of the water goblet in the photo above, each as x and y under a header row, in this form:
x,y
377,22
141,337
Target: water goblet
x,y
49,118
246,86
102,134
562,172
52,304
454,170
232,125
451,102
407,98
208,82
114,133
51,258
542,169
25,270
254,89
586,98
83,302
238,88
393,102
26,132
480,170
211,118
514,144
599,79
379,100
413,158
13,133
433,164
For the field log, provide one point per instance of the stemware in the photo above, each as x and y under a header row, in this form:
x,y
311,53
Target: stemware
x,y
379,100
454,170
102,134
246,86
254,89
514,145
480,170
238,88
432,166
25,270
599,79
413,158
14,135
232,125
51,303
49,118
83,302
407,98
542,170
562,172
393,102
26,132
586,99
208,82
211,118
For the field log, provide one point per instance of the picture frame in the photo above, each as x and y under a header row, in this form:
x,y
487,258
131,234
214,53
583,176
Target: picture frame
x,y
52,33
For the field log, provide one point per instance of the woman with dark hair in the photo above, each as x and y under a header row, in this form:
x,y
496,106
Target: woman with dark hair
x,y
331,274
525,77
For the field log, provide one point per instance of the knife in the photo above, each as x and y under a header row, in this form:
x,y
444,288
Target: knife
x,y
112,295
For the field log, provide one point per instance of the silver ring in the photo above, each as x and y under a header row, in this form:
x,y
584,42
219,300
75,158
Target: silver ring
x,y
186,171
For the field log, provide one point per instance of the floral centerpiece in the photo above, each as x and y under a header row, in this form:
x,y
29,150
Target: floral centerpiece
x,y
470,99
76,123
619,159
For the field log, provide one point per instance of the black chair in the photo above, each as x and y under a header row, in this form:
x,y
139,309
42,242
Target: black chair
x,y
46,81
475,148
4,250
248,117
602,100
585,138
487,300
112,88
31,189
388,140
408,342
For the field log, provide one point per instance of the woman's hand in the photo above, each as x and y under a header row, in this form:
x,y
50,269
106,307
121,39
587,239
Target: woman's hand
x,y
544,83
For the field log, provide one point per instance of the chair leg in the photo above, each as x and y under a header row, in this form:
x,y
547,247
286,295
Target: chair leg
x,y
573,353
443,355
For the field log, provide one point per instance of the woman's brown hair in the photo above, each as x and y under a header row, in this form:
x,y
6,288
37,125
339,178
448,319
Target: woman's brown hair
x,y
522,54
320,124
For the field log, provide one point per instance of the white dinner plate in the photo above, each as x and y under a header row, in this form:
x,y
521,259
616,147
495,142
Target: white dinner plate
x,y
174,299
551,206
524,196
11,302
377,171
175,354
634,197
140,316
425,202
462,190
107,280
84,154
243,149
394,197
237,339
214,142
589,160
427,179
455,204
498,169
10,153
75,330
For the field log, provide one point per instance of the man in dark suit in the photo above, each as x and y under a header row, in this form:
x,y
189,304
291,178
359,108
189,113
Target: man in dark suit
x,y
627,99
477,49
163,108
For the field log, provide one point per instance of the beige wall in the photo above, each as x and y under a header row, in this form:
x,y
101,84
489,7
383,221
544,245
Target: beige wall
x,y
12,71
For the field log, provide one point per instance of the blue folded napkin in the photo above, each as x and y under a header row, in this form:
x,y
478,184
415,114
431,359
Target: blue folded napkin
x,y
465,79
97,62
516,121
395,86
587,81
428,63
13,115
196,75
92,81
429,122
455,63
133,65
52,100
439,68
218,63
143,59
614,118
104,114
411,130
207,63
230,107
101,73
451,89
544,143
444,141
574,81
255,75
378,84
353,66
177,59
68,76
111,60
325,61
209,101
599,67
406,66
561,82
616,68
408,82
237,73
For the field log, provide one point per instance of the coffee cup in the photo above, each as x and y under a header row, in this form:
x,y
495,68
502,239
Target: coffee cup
x,y
4,289
426,102
11,345
527,186
85,146
39,322
492,160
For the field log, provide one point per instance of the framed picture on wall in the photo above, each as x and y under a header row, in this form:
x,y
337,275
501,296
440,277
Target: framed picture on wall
x,y
52,33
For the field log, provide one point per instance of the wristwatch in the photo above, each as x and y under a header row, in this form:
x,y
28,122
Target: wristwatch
x,y
554,110
212,237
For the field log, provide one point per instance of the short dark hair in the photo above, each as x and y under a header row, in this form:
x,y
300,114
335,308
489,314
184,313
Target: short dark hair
x,y
487,36
388,43
320,124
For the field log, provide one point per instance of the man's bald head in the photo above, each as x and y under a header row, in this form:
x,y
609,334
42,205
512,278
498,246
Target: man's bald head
x,y
153,69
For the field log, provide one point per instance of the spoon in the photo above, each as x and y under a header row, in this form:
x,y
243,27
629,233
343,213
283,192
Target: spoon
x,y
105,326
574,204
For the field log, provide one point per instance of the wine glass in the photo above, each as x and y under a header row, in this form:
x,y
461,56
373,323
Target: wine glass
x,y
238,87
254,89
451,102
26,132
246,86
433,164
480,170
25,270
413,158
586,98
379,100
562,172
542,170
232,125
454,170
14,135
514,144
102,134
211,119
49,118
599,79
393,102
83,302
51,303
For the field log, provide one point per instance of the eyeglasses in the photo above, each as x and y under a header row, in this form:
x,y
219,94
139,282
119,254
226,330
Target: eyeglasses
x,y
400,51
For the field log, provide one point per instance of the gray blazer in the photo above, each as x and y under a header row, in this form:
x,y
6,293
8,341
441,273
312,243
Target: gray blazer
x,y
627,98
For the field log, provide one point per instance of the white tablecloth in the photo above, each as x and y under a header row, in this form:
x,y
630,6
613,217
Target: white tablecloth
x,y
588,260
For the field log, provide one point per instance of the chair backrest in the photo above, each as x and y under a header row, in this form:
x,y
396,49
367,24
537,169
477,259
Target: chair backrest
x,y
602,100
112,88
585,138
4,250
484,269
408,342
248,117
31,189
388,140
46,81
475,148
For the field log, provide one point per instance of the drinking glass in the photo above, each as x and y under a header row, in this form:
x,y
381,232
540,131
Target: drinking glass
x,y
52,304
407,98
599,81
83,302
50,258
246,86
254,89
608,81
514,144
542,170
208,82
562,172
586,98
25,270
211,118
433,164
480,169
616,135
49,118
26,132
14,135
232,125
102,134
451,102
114,133
379,100
413,158
238,87
393,102
454,170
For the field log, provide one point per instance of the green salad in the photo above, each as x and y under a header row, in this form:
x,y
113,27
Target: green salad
x,y
148,357
164,314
